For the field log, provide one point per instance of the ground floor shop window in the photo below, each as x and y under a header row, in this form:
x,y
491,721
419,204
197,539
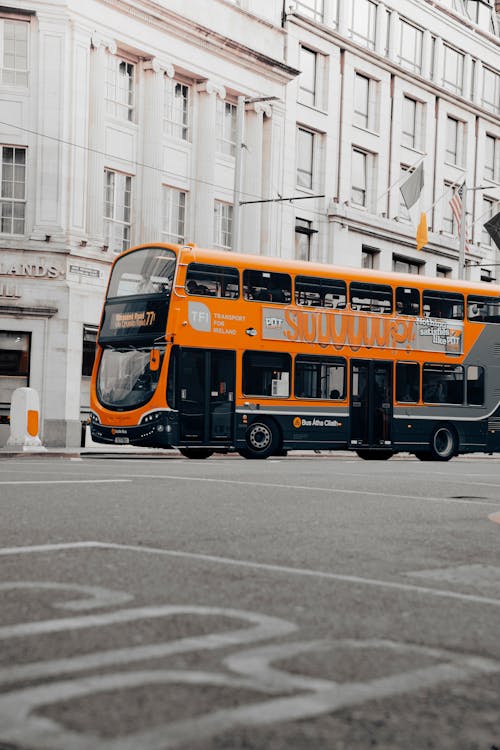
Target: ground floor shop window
x,y
88,357
14,363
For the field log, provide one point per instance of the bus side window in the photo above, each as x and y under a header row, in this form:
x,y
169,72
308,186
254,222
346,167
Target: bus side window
x,y
267,286
407,382
437,304
443,384
483,309
212,281
475,385
266,374
320,292
375,298
407,301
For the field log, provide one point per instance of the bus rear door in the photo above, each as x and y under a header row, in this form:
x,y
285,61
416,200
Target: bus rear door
x,y
206,383
371,404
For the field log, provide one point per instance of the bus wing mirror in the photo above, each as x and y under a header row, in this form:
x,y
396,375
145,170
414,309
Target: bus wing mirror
x,y
154,360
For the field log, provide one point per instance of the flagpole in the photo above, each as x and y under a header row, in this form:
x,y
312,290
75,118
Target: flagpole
x,y
461,244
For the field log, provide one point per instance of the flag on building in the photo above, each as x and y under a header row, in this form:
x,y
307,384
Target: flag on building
x,y
457,209
492,226
412,188
411,191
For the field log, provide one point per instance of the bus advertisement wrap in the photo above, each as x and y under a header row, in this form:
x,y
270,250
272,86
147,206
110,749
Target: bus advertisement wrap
x,y
345,329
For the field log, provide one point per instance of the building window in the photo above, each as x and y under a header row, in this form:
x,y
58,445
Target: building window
x,y
453,77
176,109
303,234
117,210
455,142
412,135
305,158
174,215
223,225
307,81
405,265
443,272
363,21
491,91
369,257
311,9
14,363
226,127
14,52
410,47
361,168
492,158
365,102
13,190
487,212
120,85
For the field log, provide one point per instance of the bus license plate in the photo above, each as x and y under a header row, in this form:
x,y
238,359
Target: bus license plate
x,y
122,440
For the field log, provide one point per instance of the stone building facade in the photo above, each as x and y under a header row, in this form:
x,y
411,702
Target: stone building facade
x,y
126,122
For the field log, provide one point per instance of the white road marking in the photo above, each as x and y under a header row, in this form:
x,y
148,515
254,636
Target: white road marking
x,y
268,567
328,490
64,481
20,724
99,597
468,575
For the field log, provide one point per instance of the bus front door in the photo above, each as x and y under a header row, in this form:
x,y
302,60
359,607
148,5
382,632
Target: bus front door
x,y
206,384
371,404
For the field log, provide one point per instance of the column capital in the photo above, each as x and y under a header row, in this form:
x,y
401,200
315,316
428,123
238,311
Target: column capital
x,y
159,66
97,41
210,87
263,108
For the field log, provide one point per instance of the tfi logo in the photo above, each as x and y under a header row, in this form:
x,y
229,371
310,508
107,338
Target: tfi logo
x,y
199,316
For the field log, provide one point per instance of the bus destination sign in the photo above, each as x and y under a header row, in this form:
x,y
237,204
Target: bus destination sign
x,y
134,318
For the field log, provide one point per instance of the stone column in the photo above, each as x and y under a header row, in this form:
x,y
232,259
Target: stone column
x,y
97,138
205,162
150,210
251,214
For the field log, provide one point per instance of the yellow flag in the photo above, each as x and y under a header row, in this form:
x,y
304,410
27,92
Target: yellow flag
x,y
422,237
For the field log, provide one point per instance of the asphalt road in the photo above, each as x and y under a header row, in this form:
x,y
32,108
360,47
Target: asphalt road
x,y
298,603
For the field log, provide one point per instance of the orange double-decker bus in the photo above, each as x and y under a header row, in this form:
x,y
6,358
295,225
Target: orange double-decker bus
x,y
210,351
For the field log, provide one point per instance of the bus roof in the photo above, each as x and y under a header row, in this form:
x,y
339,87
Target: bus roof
x,y
195,254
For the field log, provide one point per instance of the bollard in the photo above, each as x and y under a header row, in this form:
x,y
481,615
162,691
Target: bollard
x,y
25,420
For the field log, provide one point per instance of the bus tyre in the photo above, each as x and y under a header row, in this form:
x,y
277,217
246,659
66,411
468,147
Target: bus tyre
x,y
195,452
374,455
262,439
443,444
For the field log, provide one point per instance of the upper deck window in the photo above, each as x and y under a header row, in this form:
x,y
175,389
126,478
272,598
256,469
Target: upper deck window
x,y
267,286
407,301
212,281
318,292
375,298
145,272
483,309
448,305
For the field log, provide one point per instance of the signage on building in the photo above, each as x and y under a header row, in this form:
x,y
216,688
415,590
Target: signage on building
x,y
38,270
93,273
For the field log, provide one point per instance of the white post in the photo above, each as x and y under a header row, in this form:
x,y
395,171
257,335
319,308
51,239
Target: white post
x,y
25,420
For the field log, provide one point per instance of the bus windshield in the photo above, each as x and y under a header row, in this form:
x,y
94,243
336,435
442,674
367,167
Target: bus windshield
x,y
143,272
125,379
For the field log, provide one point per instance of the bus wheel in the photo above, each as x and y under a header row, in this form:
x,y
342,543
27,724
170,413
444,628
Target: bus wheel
x,y
443,444
262,440
196,452
369,455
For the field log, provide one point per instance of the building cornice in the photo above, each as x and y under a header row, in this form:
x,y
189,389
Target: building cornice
x,y
151,13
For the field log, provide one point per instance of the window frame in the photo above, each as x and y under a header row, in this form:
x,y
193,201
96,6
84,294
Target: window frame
x,y
226,124
112,222
247,367
220,276
322,362
454,83
176,119
317,285
413,63
116,106
308,96
305,176
357,34
278,285
223,224
376,293
169,207
12,201
19,75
